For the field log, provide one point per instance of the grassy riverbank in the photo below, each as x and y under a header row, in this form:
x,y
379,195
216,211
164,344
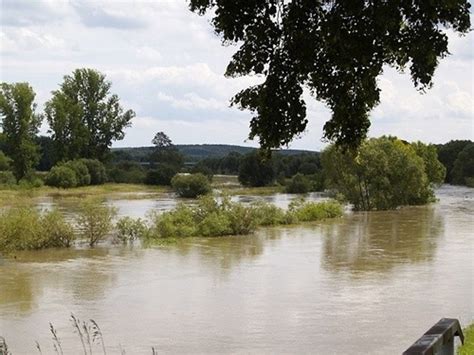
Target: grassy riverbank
x,y
468,347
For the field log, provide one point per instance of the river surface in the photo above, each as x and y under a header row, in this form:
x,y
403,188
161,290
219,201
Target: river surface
x,y
366,283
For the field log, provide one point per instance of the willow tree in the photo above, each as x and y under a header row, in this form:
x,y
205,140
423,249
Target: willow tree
x,y
20,125
84,117
336,49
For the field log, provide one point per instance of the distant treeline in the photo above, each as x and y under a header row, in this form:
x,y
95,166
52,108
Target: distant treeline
x,y
193,152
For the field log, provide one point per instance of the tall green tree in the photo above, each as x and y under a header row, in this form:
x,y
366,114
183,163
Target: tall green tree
x,y
256,169
336,49
20,125
448,153
383,173
434,169
84,117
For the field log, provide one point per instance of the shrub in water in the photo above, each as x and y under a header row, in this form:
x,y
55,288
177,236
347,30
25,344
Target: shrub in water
x,y
26,228
61,176
191,186
266,214
129,229
20,229
177,223
95,221
58,232
312,211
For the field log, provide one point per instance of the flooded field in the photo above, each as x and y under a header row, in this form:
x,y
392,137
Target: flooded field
x,y
367,283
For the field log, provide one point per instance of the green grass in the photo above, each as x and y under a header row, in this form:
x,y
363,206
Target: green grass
x,y
468,347
17,195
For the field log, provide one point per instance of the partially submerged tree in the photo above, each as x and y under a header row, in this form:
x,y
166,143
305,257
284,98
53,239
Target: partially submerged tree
x,y
20,125
384,173
336,49
84,117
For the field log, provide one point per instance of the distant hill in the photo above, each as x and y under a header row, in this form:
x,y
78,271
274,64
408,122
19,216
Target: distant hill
x,y
196,152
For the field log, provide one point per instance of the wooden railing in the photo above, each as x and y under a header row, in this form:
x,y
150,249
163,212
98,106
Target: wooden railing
x,y
438,340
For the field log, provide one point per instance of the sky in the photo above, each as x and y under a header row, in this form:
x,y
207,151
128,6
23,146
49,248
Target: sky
x,y
166,64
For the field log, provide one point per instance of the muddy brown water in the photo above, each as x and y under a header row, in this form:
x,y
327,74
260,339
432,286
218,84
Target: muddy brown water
x,y
367,283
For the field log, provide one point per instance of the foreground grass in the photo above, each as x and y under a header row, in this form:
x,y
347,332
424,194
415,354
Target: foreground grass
x,y
468,347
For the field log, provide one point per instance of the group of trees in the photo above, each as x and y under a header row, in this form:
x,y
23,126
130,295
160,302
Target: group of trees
x,y
458,158
384,173
83,116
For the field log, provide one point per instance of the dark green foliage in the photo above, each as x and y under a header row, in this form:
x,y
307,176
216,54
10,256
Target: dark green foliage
x,y
61,176
161,175
47,153
435,171
463,169
256,170
191,186
128,172
299,184
7,178
84,117
5,162
96,171
20,125
337,49
448,153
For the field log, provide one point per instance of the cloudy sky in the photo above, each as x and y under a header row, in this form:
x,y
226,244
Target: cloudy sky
x,y
166,64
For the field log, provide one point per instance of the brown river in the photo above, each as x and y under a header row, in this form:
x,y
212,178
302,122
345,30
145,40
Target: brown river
x,y
367,283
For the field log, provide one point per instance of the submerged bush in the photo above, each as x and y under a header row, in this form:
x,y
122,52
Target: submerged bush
x,y
26,228
61,176
94,221
191,186
210,217
301,211
129,229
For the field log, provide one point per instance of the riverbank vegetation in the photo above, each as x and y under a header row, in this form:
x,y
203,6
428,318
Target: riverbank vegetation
x,y
468,347
26,228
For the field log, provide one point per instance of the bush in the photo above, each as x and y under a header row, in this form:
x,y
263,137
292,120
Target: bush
x,y
7,178
58,232
127,172
94,220
96,169
4,162
301,211
162,175
129,229
61,176
83,177
299,184
266,214
26,228
191,186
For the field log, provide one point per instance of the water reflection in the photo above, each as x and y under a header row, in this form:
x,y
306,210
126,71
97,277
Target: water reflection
x,y
379,241
76,273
